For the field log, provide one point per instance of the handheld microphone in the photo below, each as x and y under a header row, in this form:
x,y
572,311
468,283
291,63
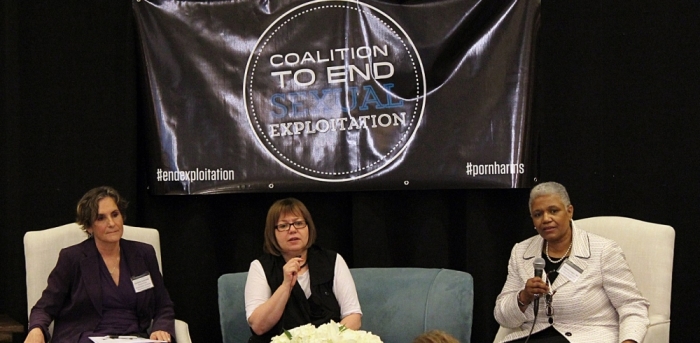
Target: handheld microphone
x,y
538,264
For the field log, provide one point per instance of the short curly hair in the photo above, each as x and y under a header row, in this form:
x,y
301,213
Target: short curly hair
x,y
88,206
549,188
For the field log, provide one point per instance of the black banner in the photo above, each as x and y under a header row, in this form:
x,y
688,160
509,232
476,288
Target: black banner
x,y
251,96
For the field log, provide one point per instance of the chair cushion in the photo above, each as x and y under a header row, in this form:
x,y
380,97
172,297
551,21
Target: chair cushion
x,y
399,304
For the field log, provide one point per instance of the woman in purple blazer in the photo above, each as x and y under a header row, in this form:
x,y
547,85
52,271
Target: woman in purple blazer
x,y
105,285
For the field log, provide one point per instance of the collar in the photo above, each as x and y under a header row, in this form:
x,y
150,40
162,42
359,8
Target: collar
x,y
90,270
580,251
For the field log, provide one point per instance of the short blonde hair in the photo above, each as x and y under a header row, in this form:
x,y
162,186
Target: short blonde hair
x,y
435,336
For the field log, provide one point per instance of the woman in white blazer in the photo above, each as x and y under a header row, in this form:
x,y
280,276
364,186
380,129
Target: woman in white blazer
x,y
587,292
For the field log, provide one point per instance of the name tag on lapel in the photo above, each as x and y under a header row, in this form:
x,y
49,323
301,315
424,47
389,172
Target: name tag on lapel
x,y
570,271
142,282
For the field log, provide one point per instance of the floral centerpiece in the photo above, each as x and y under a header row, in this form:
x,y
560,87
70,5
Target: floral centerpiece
x,y
327,333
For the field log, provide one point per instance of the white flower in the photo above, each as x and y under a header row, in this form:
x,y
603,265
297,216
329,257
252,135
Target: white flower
x,y
327,333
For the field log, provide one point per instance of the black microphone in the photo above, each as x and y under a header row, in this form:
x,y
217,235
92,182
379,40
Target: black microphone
x,y
538,264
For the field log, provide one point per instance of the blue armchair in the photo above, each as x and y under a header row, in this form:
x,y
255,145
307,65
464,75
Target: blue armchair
x,y
398,304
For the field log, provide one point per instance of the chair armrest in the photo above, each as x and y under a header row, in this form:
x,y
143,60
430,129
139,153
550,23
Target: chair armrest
x,y
182,332
659,329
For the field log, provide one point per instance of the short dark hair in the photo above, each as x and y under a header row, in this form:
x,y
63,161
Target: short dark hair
x,y
277,210
88,206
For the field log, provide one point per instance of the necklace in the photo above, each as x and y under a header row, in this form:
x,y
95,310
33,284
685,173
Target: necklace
x,y
546,247
303,264
116,268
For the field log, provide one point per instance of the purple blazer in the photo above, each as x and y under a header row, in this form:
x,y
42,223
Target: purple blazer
x,y
73,296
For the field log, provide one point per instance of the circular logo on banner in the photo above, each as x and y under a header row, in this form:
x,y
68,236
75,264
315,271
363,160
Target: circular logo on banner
x,y
335,90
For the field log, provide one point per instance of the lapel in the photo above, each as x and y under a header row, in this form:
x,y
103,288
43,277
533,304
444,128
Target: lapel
x,y
580,253
136,264
90,273
90,270
533,250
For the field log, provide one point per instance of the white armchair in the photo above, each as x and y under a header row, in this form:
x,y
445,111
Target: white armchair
x,y
648,248
41,250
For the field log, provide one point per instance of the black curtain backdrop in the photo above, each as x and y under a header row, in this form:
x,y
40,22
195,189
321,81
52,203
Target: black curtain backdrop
x,y
616,121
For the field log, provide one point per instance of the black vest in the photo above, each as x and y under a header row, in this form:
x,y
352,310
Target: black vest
x,y
320,308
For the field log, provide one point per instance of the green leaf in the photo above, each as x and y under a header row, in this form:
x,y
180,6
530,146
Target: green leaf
x,y
289,335
343,328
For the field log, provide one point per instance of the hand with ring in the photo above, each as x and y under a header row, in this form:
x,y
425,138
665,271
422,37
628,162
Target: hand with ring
x,y
533,286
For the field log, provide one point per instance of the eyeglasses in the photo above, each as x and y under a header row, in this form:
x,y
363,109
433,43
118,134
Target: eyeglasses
x,y
299,224
548,306
549,310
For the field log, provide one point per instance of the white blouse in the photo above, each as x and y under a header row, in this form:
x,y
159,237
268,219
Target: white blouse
x,y
257,291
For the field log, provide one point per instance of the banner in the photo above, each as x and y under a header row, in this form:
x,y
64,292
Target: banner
x,y
256,96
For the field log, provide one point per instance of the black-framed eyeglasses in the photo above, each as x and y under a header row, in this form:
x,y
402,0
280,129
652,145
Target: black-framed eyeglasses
x,y
299,224
549,310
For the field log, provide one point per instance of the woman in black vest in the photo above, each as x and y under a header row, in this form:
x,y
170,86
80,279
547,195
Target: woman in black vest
x,y
296,282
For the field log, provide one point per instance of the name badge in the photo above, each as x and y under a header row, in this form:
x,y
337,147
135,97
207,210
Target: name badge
x,y
142,282
570,271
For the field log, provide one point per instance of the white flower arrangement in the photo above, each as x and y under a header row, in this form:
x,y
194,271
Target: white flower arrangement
x,y
327,333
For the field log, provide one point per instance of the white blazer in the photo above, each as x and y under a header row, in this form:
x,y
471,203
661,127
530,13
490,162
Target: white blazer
x,y
602,305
